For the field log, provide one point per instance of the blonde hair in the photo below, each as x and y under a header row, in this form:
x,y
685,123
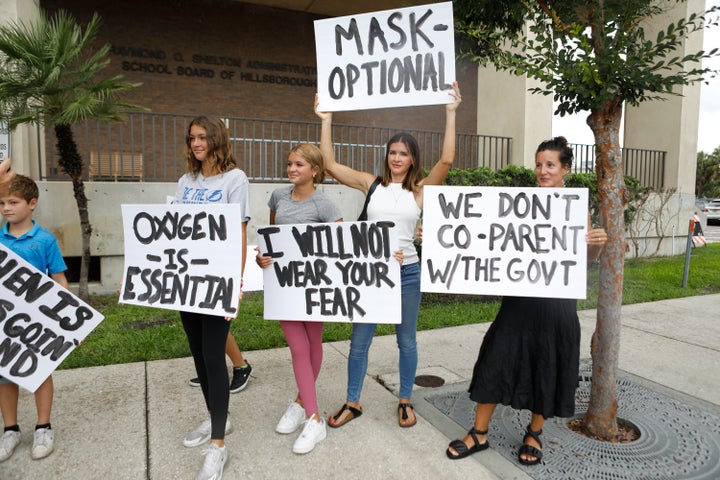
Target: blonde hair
x,y
311,154
218,142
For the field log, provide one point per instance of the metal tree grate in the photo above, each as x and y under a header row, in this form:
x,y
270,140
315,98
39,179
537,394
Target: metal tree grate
x,y
677,441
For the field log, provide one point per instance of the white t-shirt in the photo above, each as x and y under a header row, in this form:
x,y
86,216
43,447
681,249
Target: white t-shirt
x,y
229,187
398,205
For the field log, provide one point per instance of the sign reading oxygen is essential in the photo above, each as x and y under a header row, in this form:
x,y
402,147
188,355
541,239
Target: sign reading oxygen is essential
x,y
336,272
527,242
392,58
183,257
40,322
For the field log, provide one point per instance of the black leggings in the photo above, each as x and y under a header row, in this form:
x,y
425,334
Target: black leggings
x,y
206,336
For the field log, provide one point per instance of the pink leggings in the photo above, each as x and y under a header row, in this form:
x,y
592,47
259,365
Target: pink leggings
x,y
305,341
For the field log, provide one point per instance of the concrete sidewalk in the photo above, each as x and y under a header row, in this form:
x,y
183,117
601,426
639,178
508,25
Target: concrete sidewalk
x,y
128,421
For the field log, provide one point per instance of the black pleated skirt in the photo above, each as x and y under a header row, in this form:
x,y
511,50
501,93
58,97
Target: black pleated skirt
x,y
530,356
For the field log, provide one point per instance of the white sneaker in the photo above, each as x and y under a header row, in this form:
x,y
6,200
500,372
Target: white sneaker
x,y
312,434
43,443
202,433
293,417
214,464
8,442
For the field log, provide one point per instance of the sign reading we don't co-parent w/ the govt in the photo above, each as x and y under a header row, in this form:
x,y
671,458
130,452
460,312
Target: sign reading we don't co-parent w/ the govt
x,y
337,272
40,322
527,242
390,58
183,257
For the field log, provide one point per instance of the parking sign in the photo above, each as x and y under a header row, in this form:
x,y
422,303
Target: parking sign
x,y
4,140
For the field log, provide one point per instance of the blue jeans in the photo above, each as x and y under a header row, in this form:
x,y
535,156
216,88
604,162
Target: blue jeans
x,y
362,336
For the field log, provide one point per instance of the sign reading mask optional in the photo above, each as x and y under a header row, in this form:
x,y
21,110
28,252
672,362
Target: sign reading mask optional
x,y
40,322
527,242
183,257
392,58
334,272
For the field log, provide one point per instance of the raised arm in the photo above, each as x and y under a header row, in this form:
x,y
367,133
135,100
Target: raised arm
x,y
447,157
342,173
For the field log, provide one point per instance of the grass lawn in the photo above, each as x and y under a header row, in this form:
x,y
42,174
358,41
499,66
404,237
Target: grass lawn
x,y
132,334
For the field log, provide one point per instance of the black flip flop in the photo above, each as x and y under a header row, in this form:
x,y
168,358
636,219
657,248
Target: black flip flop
x,y
354,413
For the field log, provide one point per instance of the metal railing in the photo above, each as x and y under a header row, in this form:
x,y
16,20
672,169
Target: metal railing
x,y
648,166
150,147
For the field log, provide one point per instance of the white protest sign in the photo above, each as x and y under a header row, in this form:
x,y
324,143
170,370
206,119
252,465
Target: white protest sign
x,y
4,140
336,272
527,242
183,257
391,58
40,322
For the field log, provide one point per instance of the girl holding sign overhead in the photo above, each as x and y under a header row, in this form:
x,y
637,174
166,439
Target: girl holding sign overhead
x,y
212,177
299,203
396,196
530,355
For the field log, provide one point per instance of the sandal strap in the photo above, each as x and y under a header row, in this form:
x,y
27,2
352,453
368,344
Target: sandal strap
x,y
534,435
473,432
404,407
530,450
354,411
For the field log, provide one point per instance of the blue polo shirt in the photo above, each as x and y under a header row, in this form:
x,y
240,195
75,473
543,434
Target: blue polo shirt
x,y
38,247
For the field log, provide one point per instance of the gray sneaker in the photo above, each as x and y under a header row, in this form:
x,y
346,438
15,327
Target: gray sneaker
x,y
8,442
202,433
43,444
214,464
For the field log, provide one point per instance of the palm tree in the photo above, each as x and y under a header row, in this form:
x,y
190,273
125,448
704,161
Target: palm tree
x,y
48,75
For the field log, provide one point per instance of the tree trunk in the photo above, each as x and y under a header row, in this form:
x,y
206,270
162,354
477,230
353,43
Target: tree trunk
x,y
72,164
601,417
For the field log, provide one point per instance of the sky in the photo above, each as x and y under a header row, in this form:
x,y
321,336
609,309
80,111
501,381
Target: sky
x,y
576,130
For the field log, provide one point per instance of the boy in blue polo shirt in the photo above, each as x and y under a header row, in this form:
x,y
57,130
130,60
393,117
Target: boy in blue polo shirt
x,y
37,246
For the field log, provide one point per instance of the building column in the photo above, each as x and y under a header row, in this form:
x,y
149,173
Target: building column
x,y
671,125
24,151
506,108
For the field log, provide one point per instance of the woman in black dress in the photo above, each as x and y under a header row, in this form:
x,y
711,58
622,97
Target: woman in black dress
x,y
530,356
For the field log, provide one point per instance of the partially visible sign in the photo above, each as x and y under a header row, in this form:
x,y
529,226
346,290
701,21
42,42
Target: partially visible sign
x,y
40,322
391,58
4,140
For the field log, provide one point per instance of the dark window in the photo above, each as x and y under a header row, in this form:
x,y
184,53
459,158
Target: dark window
x,y
73,271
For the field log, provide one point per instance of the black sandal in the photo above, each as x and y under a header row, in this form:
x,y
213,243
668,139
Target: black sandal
x,y
462,449
529,449
403,415
353,413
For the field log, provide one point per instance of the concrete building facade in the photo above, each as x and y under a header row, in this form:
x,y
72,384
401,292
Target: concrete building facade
x,y
257,59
